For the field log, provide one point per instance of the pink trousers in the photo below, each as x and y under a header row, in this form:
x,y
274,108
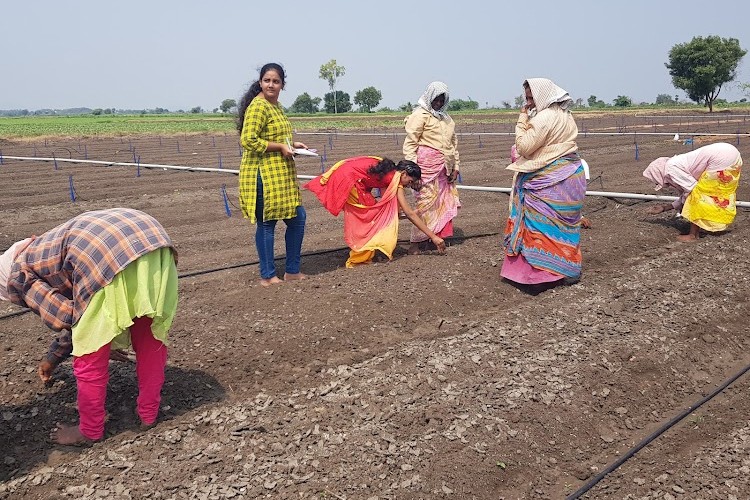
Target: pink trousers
x,y
92,374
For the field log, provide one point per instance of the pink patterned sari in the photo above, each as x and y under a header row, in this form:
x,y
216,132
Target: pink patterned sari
x,y
437,203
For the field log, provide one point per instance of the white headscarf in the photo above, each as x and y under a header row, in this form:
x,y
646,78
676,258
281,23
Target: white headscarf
x,y
6,263
546,93
433,90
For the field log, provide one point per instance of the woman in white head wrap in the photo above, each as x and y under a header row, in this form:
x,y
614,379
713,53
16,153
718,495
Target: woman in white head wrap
x,y
707,180
431,143
542,235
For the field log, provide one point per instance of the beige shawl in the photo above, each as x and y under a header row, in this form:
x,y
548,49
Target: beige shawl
x,y
548,131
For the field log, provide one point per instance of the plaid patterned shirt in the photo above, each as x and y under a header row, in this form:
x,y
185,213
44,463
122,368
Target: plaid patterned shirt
x,y
64,267
264,123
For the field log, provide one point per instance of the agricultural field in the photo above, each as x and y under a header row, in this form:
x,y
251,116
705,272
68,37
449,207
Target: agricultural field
x,y
423,377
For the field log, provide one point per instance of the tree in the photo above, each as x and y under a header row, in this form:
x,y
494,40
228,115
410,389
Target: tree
x,y
700,67
519,101
341,103
305,104
367,99
97,111
408,107
506,104
595,103
460,104
227,105
331,72
622,101
665,99
196,110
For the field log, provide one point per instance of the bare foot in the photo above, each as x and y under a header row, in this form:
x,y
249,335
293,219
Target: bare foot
x,y
414,249
68,435
270,281
586,223
687,238
294,276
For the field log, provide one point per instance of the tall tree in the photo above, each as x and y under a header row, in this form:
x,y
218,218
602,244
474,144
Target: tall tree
x,y
331,72
701,66
367,98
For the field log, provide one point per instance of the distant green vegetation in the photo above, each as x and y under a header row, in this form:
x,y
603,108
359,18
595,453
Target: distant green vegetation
x,y
112,125
211,123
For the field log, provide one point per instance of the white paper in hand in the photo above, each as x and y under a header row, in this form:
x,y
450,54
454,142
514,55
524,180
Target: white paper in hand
x,y
305,152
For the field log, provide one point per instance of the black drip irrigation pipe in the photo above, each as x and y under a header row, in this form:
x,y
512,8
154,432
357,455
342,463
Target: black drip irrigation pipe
x,y
658,432
254,262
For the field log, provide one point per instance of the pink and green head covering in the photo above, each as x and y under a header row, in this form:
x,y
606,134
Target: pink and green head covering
x,y
656,171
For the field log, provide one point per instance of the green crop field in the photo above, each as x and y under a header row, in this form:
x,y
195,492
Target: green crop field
x,y
176,124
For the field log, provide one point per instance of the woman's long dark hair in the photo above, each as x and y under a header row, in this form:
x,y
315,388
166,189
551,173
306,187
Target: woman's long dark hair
x,y
386,165
254,90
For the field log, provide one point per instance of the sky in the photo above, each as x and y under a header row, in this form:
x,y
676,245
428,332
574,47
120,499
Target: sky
x,y
180,54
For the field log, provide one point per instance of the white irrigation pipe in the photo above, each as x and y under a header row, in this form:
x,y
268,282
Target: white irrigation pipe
x,y
126,164
584,133
491,189
715,117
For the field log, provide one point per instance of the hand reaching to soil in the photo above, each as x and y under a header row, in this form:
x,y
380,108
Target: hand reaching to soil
x,y
45,370
439,243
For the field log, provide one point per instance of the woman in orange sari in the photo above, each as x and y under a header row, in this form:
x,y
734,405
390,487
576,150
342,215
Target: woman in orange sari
x,y
370,224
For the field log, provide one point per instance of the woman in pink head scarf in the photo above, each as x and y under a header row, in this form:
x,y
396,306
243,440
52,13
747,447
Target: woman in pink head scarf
x,y
707,180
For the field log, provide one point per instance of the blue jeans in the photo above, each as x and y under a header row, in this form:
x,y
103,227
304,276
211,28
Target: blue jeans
x,y
264,235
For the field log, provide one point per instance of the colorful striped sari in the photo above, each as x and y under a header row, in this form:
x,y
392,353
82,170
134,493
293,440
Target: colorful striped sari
x,y
437,202
542,236
712,204
370,225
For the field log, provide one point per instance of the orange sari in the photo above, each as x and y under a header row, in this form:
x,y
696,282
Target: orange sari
x,y
370,225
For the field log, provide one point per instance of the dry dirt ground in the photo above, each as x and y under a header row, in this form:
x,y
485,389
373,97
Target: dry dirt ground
x,y
423,377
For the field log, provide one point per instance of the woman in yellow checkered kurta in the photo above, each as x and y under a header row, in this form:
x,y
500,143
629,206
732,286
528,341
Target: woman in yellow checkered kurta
x,y
269,190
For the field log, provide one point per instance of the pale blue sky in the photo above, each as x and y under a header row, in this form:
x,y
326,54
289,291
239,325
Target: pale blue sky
x,y
180,54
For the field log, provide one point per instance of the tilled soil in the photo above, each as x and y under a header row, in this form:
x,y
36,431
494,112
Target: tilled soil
x,y
423,377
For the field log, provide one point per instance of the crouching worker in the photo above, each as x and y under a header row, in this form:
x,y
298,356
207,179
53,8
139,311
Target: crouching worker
x,y
707,180
371,224
110,278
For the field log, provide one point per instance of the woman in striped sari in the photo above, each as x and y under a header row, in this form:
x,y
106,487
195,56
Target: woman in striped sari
x,y
542,235
370,224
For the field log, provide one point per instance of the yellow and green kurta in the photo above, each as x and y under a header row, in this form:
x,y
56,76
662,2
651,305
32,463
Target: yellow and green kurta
x,y
265,122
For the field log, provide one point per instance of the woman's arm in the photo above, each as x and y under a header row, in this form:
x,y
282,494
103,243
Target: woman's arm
x,y
418,222
530,136
453,174
54,308
414,126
